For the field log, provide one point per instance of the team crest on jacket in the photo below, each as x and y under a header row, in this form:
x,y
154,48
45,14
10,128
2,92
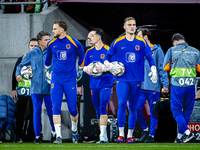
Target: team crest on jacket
x,y
68,46
102,56
61,55
137,47
52,85
130,57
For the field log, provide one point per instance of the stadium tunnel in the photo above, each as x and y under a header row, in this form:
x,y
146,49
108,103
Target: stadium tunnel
x,y
162,18
169,17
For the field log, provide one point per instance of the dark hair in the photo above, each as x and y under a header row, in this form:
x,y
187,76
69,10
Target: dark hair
x,y
33,39
129,18
177,37
41,34
61,24
99,32
145,31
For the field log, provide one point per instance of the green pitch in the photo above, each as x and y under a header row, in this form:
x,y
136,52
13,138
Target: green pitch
x,y
110,146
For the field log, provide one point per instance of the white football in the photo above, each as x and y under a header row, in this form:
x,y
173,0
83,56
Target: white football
x,y
26,72
97,69
119,68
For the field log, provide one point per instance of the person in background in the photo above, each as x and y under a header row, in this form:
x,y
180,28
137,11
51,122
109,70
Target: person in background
x,y
40,88
182,61
89,130
23,100
151,91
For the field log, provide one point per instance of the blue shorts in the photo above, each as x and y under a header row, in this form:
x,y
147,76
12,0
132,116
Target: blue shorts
x,y
100,98
70,90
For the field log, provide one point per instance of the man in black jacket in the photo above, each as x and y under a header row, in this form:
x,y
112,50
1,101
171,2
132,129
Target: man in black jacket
x,y
22,101
89,131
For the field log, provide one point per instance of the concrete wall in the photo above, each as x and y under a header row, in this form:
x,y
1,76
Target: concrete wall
x,y
14,35
16,31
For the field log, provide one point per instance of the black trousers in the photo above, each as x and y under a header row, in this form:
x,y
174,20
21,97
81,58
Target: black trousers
x,y
24,117
89,113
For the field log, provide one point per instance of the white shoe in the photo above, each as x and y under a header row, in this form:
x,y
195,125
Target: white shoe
x,y
188,138
103,140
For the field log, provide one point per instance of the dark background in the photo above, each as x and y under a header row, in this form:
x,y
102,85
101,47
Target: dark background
x,y
168,18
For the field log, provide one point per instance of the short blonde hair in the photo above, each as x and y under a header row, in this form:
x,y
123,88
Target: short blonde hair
x,y
129,18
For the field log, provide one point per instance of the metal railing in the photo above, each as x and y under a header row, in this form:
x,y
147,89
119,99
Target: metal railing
x,y
23,4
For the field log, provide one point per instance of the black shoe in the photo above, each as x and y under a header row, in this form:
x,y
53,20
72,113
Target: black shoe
x,y
178,140
19,140
53,138
149,139
88,140
188,138
37,140
144,136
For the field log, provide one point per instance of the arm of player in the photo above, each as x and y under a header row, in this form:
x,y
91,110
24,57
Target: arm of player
x,y
153,72
88,69
110,53
106,61
80,53
81,58
87,65
25,62
48,60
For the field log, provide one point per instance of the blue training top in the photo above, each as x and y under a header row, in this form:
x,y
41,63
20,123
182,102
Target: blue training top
x,y
131,54
64,52
93,55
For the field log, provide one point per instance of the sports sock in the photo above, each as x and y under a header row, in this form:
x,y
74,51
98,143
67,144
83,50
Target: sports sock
x,y
147,129
130,133
121,131
58,130
74,126
187,132
179,136
103,131
37,137
151,136
53,133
